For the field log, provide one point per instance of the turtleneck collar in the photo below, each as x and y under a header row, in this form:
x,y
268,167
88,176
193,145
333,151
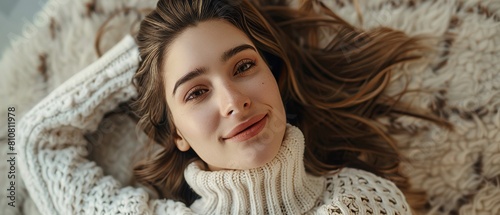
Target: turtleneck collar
x,y
281,186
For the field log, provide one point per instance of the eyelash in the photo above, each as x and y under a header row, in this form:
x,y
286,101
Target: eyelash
x,y
244,63
194,91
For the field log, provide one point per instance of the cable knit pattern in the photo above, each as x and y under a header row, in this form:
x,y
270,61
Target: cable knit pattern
x,y
52,148
353,191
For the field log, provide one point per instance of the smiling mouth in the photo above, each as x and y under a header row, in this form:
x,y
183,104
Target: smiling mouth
x,y
249,132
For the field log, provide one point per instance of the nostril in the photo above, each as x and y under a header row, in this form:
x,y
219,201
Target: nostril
x,y
245,105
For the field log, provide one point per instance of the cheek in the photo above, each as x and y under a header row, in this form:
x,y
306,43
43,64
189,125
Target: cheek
x,y
269,90
196,123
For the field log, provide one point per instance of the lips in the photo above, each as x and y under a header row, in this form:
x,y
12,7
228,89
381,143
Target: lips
x,y
247,129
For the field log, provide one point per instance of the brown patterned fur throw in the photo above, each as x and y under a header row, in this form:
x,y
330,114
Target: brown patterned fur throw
x,y
460,82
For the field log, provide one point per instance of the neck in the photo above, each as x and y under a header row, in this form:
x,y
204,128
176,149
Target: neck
x,y
280,186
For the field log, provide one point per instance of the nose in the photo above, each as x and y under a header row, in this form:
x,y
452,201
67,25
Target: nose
x,y
233,101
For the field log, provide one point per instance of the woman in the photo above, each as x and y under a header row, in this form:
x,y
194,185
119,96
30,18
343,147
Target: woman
x,y
213,85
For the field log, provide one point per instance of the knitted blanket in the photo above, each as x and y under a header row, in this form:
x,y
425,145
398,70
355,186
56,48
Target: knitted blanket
x,y
459,169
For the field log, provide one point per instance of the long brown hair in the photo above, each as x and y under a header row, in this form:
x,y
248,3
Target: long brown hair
x,y
331,85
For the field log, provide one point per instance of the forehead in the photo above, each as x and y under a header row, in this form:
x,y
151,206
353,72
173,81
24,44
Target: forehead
x,y
200,46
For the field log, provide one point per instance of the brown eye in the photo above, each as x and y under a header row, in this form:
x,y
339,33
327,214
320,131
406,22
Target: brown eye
x,y
244,66
195,93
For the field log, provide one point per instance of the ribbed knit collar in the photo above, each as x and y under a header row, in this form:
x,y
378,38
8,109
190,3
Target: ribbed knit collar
x,y
282,186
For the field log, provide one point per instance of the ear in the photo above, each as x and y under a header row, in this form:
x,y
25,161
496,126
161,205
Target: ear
x,y
181,143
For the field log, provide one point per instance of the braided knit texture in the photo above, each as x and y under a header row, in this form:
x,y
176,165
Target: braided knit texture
x,y
52,147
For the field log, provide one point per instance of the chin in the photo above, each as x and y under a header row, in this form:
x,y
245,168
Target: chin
x,y
262,150
260,158
262,162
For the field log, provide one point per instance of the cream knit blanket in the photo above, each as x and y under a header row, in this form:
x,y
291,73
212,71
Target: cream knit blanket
x,y
459,169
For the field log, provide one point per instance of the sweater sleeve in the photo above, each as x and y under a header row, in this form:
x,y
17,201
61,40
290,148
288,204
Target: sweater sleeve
x,y
353,191
53,150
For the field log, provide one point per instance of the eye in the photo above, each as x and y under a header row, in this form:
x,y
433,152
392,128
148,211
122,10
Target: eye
x,y
244,66
195,93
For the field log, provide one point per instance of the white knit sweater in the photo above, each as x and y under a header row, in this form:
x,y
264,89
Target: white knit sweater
x,y
60,180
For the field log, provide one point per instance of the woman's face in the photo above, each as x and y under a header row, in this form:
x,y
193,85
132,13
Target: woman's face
x,y
223,97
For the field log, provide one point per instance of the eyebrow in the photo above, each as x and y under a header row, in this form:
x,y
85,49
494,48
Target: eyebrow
x,y
200,71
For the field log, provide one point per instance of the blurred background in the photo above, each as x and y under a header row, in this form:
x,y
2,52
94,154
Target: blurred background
x,y
13,15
